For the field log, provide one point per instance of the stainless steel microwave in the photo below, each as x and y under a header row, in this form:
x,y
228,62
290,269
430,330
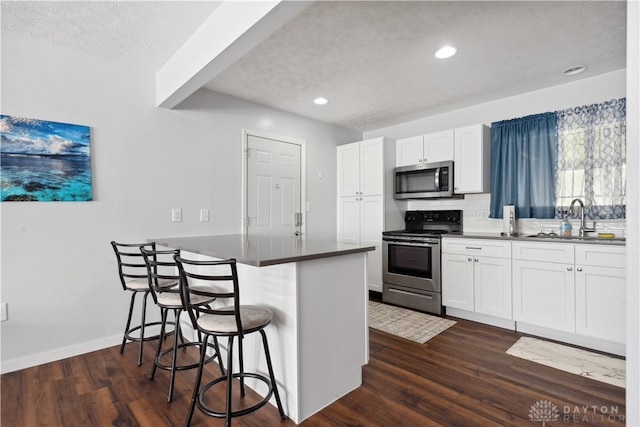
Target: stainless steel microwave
x,y
424,181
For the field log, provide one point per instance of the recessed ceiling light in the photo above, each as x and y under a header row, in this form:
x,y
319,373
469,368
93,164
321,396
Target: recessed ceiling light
x,y
320,101
575,70
446,52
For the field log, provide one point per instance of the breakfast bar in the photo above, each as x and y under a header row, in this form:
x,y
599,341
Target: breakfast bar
x,y
318,294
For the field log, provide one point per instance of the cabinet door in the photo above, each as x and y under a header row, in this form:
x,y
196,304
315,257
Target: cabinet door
x,y
492,281
409,151
601,302
457,281
544,294
438,147
348,169
371,167
471,159
349,219
371,226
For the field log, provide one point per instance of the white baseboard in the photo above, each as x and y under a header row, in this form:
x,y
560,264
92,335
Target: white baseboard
x,y
57,354
482,318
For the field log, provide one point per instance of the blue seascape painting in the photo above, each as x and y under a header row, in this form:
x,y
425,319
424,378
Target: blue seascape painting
x,y
44,161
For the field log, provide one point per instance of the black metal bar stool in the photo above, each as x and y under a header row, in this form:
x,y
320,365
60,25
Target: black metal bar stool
x,y
132,271
230,321
163,278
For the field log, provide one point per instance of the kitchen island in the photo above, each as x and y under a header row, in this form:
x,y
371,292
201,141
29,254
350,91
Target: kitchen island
x,y
317,291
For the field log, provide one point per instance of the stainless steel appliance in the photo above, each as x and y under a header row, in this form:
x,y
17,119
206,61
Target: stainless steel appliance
x,y
411,259
424,181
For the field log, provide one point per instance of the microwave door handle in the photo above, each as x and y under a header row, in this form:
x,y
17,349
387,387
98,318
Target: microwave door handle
x,y
437,179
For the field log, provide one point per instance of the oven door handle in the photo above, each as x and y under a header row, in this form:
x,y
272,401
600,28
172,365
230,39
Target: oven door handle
x,y
413,243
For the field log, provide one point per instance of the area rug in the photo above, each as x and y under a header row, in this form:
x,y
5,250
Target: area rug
x,y
408,324
596,366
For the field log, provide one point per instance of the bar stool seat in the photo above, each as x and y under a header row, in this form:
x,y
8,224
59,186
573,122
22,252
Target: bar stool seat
x,y
230,321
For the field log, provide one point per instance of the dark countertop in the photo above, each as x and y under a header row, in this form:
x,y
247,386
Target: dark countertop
x,y
261,251
593,239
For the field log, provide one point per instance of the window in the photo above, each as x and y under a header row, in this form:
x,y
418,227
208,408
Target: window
x,y
591,163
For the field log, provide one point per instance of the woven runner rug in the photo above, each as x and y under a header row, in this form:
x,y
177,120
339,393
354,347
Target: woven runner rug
x,y
596,366
408,324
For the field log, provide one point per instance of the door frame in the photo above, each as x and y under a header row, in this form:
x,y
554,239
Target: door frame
x,y
245,168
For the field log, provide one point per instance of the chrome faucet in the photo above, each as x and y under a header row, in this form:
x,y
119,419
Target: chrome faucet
x,y
583,224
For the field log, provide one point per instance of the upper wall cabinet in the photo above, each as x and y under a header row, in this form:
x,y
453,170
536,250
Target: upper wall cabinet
x,y
472,159
434,147
361,168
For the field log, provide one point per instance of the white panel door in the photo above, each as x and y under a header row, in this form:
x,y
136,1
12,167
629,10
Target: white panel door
x,y
601,302
409,151
371,167
438,147
544,294
273,186
349,219
457,281
493,286
372,224
349,170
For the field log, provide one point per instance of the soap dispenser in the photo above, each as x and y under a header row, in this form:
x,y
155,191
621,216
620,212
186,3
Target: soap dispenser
x,y
565,225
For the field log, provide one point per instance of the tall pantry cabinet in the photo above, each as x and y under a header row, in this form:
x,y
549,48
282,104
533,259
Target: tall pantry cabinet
x,y
365,199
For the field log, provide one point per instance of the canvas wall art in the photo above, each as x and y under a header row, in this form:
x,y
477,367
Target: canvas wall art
x,y
44,161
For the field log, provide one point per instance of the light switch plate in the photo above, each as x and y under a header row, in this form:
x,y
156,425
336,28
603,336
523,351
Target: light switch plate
x,y
4,315
176,215
204,215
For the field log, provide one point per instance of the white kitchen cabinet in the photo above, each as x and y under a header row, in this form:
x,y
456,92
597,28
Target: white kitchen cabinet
x,y
544,294
361,168
576,288
434,147
600,277
472,159
476,276
362,177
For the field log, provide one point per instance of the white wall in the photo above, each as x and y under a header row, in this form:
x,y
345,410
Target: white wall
x,y
476,207
58,269
633,203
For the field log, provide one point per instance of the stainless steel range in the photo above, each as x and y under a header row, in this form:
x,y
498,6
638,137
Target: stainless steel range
x,y
411,259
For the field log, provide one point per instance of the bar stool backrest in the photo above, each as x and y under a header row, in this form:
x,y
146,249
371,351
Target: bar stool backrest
x,y
131,265
162,270
214,272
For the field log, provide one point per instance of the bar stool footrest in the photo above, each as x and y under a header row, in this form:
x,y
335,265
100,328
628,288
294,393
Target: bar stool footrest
x,y
239,412
129,337
166,367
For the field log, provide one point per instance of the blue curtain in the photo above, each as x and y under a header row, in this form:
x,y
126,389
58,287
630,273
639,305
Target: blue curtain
x,y
523,161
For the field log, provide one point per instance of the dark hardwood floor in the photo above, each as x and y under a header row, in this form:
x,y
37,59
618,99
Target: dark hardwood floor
x,y
462,377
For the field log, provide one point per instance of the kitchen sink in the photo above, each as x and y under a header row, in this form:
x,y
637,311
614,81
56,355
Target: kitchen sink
x,y
585,238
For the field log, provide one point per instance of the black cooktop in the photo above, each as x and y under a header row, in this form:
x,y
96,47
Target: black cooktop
x,y
429,223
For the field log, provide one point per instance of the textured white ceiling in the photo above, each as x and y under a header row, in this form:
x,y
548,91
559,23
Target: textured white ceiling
x,y
139,33
373,60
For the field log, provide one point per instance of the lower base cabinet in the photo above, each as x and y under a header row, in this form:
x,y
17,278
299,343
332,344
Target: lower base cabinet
x,y
476,276
576,288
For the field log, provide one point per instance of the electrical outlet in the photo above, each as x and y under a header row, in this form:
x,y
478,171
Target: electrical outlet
x,y
4,314
176,215
204,215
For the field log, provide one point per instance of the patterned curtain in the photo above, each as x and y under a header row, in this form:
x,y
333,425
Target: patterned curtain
x,y
523,161
591,161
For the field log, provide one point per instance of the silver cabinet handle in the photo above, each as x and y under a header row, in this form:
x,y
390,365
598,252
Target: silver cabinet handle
x,y
569,268
469,259
475,259
579,269
474,248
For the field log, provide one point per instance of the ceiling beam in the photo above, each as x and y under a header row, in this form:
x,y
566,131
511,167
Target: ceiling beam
x,y
233,29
